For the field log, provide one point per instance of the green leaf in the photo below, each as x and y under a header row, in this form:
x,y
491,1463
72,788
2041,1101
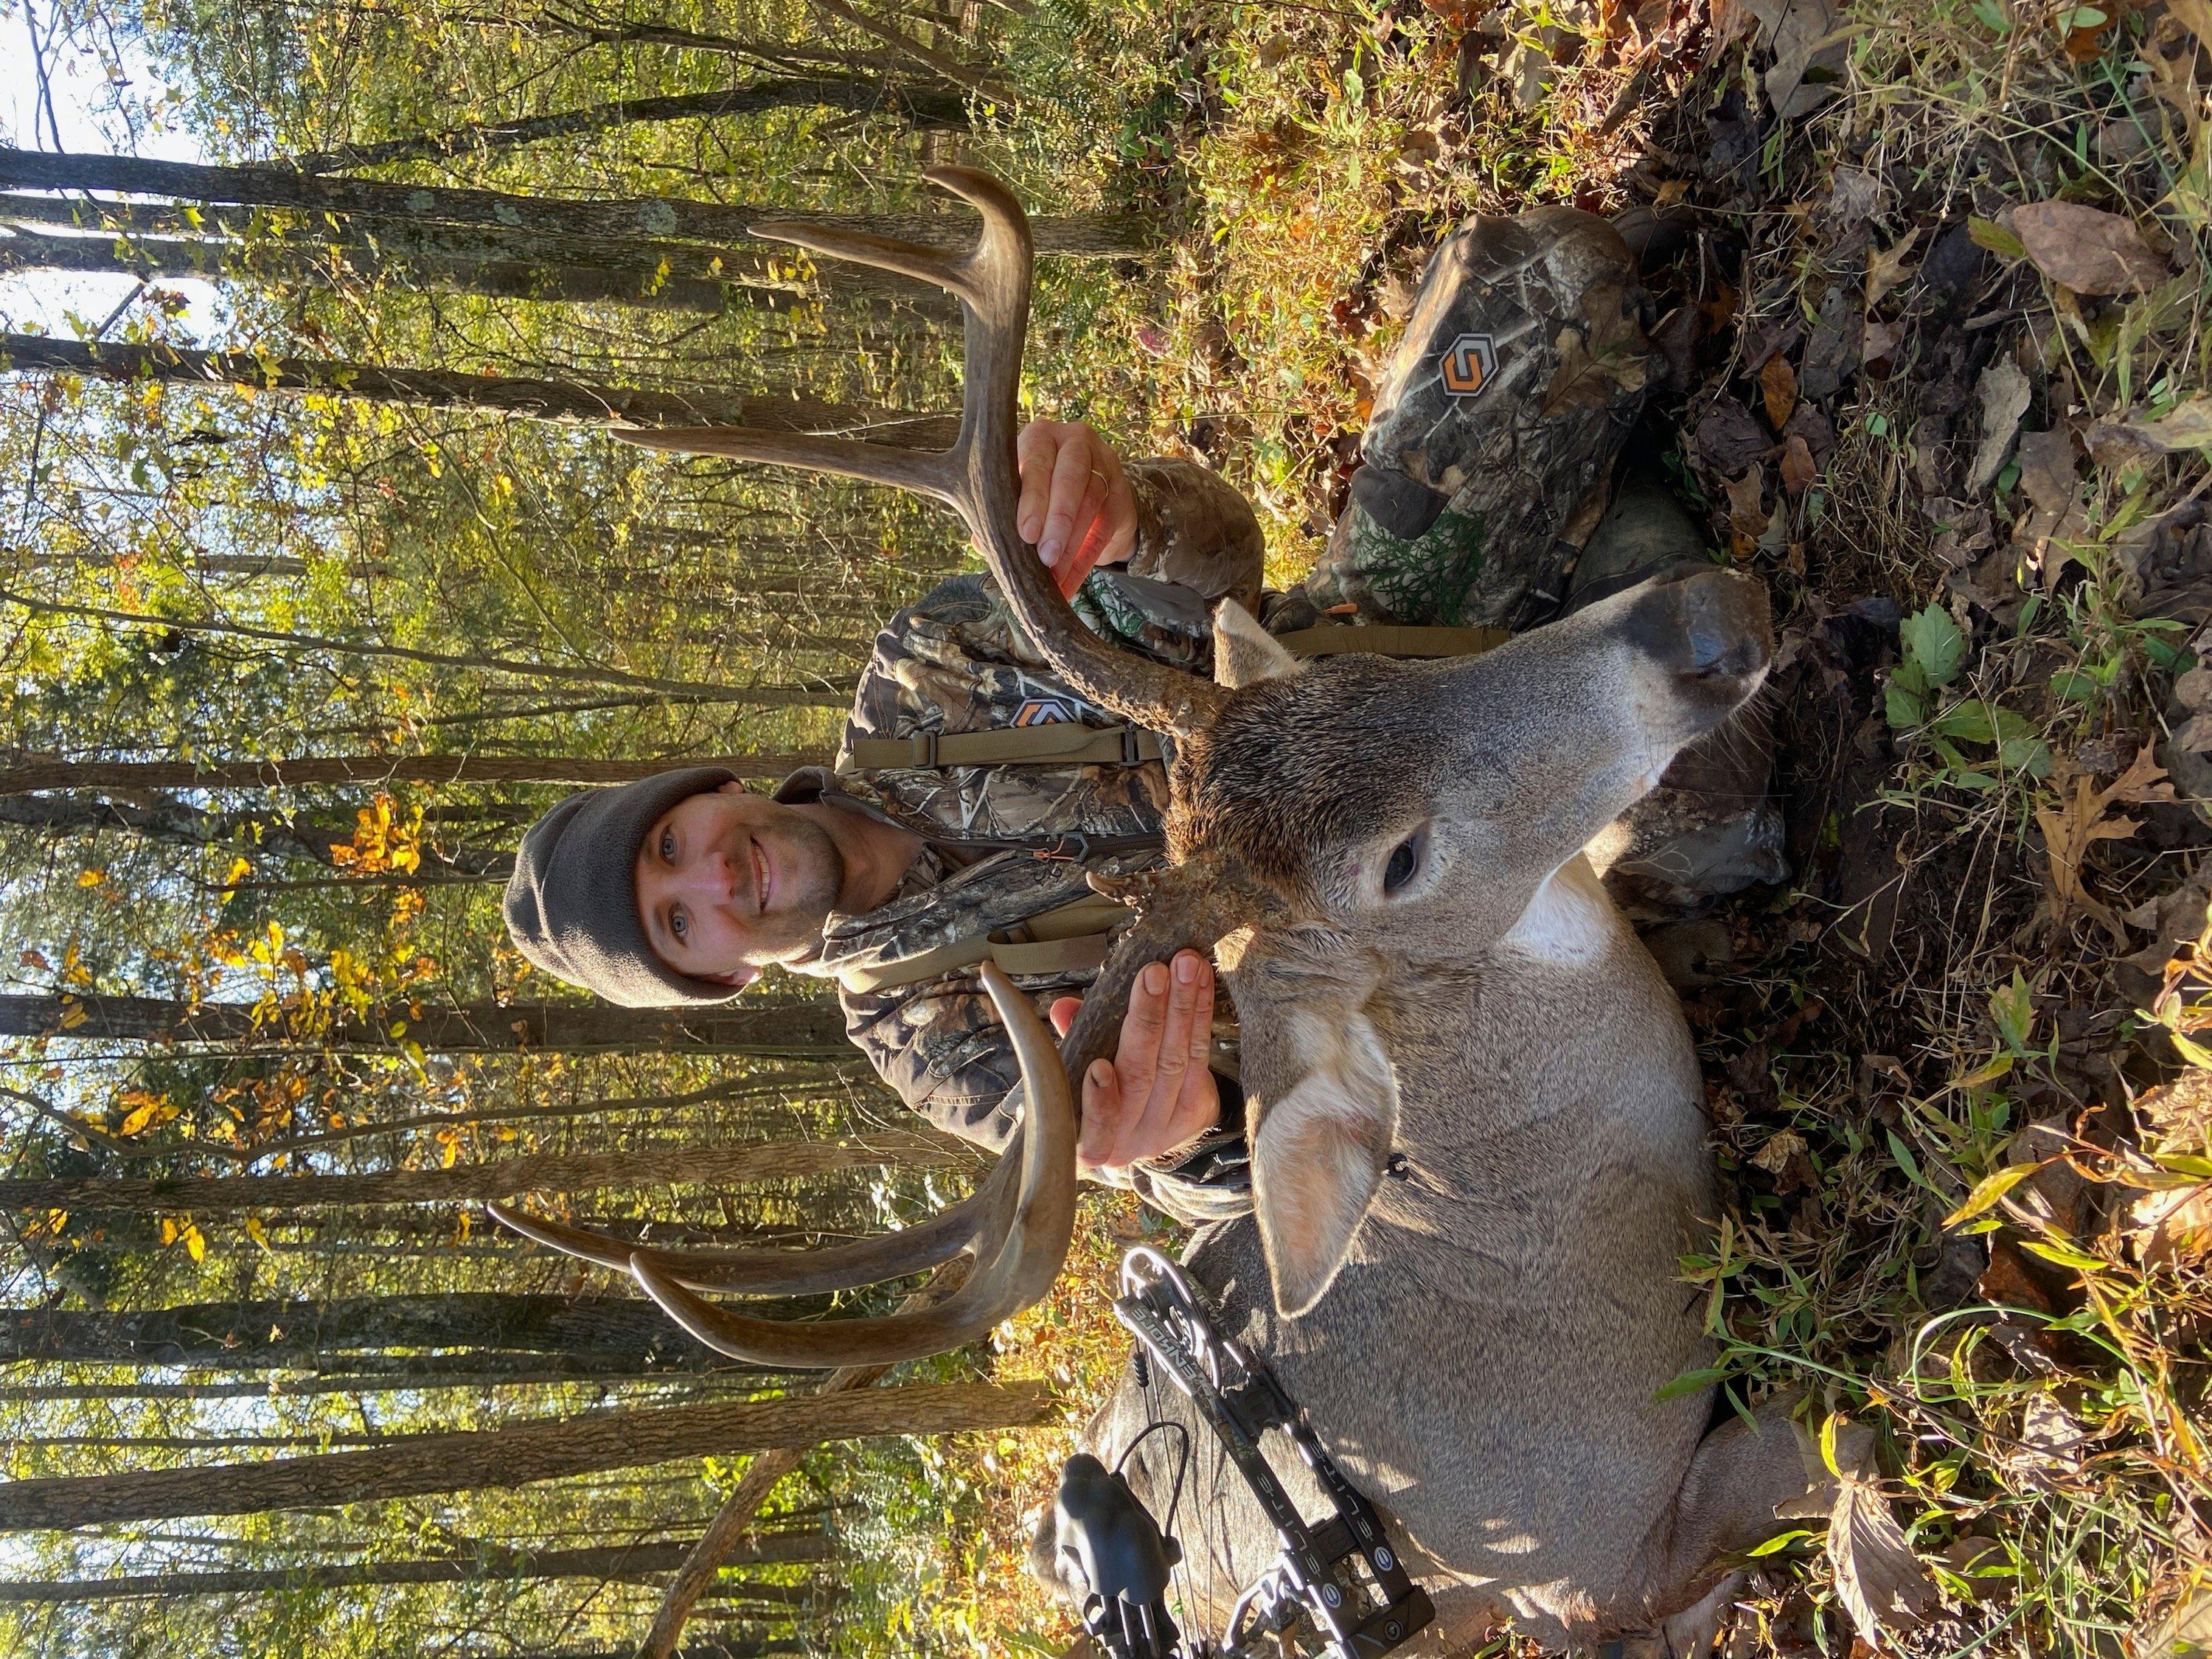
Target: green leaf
x,y
2028,755
1781,1541
1906,1161
1933,641
2065,1255
1989,234
1690,1382
2195,1053
1900,708
1968,721
2012,1009
2075,686
1989,1190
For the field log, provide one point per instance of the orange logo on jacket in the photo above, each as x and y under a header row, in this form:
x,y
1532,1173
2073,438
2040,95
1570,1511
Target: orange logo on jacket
x,y
1044,711
1470,364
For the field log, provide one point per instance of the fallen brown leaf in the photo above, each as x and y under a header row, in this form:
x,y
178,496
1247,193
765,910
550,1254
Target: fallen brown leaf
x,y
1778,387
1806,63
2172,1227
1879,1579
2087,249
1746,499
1799,470
1877,340
2004,395
2049,472
1885,267
2080,821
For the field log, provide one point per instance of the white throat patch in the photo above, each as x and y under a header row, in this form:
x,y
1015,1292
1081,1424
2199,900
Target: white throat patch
x,y
1570,919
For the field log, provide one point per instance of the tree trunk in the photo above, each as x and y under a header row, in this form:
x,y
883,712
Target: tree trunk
x,y
801,1028
518,1456
829,694
172,258
567,402
653,218
615,1561
36,772
922,110
407,1378
548,1172
244,1335
163,818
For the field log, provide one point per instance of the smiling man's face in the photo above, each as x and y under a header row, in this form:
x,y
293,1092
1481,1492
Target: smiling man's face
x,y
729,880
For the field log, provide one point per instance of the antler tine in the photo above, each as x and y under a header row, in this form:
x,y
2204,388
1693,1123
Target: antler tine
x,y
928,264
978,475
980,1215
1017,1272
926,472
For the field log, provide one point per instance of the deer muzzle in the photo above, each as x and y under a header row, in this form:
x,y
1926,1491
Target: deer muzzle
x,y
1711,627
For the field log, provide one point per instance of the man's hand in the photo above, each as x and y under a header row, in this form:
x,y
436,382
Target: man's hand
x,y
1075,508
1156,1094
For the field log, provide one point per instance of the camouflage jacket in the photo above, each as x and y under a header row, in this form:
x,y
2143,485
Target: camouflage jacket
x,y
994,837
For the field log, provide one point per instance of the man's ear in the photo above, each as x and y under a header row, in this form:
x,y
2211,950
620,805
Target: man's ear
x,y
1327,1105
1244,653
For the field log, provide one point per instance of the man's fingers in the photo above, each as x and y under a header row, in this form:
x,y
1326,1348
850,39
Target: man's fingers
x,y
1062,1013
1095,1141
1154,1113
1035,454
1087,536
1071,482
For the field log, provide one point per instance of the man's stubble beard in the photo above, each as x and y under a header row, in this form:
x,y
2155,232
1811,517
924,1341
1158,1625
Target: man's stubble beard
x,y
813,857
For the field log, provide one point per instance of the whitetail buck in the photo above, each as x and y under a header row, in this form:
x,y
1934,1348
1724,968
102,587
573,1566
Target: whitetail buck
x,y
1478,1147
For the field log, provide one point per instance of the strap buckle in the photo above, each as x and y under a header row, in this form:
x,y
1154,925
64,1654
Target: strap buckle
x,y
1075,848
1132,745
922,747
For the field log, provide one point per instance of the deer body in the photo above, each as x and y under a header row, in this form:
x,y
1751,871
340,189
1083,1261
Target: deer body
x,y
1485,1364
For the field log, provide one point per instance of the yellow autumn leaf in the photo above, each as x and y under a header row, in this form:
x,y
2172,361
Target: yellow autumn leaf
x,y
1989,1190
156,1109
256,1231
195,1244
90,877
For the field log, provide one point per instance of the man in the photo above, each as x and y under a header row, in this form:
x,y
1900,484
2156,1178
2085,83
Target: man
x,y
1481,506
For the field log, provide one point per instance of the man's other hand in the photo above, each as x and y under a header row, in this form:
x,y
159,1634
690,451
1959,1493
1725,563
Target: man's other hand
x,y
1075,506
1156,1094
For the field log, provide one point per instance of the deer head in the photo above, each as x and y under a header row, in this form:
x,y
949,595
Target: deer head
x,y
1327,821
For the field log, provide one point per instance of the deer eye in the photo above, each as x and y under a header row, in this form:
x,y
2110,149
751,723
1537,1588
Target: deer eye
x,y
1405,859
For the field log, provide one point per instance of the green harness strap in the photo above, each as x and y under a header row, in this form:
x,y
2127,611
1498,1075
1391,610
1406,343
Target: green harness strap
x,y
1063,742
1069,938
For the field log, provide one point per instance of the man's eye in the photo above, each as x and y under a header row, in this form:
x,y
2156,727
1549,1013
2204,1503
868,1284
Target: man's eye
x,y
678,923
668,846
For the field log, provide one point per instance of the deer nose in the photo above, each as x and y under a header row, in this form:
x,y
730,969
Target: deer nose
x,y
1706,624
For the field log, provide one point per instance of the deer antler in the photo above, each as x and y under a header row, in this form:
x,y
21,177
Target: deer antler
x,y
1017,1225
977,477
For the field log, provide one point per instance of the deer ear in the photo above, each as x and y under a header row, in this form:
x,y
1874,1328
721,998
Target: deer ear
x,y
1326,1107
1244,653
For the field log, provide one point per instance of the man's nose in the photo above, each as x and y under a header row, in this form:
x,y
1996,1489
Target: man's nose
x,y
714,879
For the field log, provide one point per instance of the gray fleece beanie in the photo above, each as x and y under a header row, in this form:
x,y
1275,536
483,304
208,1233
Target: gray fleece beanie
x,y
572,901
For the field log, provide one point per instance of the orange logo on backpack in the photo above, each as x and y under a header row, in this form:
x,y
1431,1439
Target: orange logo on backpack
x,y
1468,365
1044,711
